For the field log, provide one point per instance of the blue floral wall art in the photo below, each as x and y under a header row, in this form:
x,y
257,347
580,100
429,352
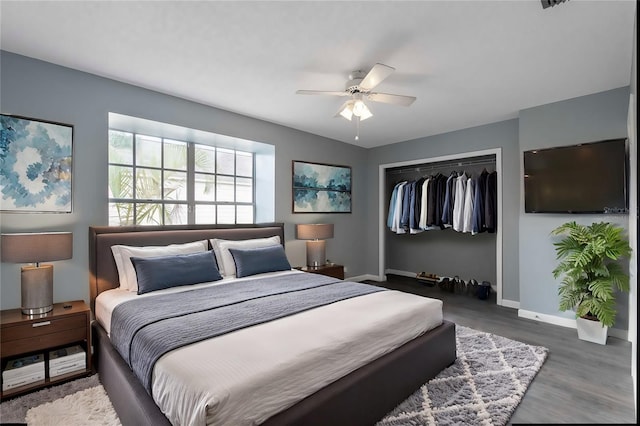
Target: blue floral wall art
x,y
321,188
35,165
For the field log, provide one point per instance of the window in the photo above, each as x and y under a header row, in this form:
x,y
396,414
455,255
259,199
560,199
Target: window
x,y
160,181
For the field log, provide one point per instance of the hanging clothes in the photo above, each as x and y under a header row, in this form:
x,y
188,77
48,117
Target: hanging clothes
x,y
422,224
406,199
449,199
398,210
491,203
442,190
458,205
469,196
416,207
465,203
432,201
478,203
392,205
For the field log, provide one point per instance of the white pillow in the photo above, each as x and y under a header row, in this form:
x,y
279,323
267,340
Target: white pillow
x,y
127,273
226,265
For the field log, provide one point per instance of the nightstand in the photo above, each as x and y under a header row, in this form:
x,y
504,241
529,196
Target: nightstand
x,y
330,269
22,335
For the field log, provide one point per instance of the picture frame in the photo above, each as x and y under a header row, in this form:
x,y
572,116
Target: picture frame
x,y
320,188
36,158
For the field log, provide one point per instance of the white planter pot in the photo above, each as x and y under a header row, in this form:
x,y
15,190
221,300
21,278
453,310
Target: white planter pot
x,y
592,331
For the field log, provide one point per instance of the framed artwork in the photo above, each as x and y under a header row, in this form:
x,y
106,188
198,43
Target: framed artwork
x,y
321,188
35,165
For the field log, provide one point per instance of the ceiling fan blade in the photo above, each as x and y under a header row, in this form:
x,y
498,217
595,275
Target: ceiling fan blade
x,y
387,98
320,92
374,77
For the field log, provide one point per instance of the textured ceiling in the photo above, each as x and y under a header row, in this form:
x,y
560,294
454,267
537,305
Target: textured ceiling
x,y
468,63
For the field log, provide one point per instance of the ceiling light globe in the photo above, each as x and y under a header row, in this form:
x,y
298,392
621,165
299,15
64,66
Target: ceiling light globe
x,y
358,108
346,113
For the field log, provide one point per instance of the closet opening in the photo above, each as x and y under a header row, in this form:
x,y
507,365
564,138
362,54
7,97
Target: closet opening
x,y
412,242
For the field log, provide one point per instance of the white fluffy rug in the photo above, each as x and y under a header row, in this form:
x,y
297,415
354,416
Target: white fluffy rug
x,y
89,407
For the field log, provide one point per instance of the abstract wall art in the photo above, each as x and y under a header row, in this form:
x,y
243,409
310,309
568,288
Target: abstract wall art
x,y
35,165
321,188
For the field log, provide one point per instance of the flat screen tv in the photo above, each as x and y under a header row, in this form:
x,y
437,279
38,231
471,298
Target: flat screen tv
x,y
585,178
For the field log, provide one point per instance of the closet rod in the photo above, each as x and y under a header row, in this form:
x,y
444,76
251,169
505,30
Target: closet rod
x,y
451,164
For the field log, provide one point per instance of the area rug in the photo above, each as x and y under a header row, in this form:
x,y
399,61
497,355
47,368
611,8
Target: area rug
x,y
483,387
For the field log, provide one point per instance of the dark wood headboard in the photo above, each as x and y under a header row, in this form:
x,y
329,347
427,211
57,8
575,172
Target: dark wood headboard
x,y
103,273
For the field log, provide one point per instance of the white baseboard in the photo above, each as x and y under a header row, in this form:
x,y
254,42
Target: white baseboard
x,y
510,304
566,322
401,273
364,277
549,319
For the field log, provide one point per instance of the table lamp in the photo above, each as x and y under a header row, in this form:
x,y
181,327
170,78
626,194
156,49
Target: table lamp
x,y
315,234
36,279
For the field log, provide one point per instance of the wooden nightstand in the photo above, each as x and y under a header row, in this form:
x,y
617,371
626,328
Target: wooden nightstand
x,y
330,269
23,335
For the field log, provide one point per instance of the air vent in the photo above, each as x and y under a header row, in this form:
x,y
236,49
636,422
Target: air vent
x,y
550,3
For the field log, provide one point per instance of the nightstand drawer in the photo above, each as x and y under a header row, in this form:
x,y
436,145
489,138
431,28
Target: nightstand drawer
x,y
42,326
43,342
20,335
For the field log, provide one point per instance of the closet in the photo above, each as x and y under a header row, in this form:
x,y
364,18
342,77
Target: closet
x,y
444,249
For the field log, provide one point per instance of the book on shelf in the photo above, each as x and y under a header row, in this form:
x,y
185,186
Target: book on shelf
x,y
65,356
23,367
14,382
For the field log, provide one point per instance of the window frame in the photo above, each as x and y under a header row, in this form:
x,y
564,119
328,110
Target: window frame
x,y
190,202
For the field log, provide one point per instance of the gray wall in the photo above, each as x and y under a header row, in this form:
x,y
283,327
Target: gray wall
x,y
497,135
585,119
41,90
38,89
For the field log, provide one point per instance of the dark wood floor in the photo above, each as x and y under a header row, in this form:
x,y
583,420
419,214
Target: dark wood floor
x,y
580,382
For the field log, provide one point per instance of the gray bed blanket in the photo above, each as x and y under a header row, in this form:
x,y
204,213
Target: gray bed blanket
x,y
142,330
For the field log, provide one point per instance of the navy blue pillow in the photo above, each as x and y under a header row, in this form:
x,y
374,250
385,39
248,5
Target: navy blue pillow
x,y
157,273
259,260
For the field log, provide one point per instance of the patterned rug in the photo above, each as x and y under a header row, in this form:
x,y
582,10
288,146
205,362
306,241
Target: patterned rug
x,y
483,387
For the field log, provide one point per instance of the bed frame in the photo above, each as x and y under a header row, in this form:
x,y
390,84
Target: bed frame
x,y
360,398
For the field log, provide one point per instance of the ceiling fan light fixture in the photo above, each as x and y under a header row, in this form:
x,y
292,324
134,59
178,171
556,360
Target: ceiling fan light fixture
x,y
347,111
361,110
360,87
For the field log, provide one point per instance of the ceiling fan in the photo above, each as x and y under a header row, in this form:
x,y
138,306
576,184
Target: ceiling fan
x,y
359,88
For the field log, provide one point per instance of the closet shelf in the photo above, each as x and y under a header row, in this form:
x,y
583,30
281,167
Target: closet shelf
x,y
443,165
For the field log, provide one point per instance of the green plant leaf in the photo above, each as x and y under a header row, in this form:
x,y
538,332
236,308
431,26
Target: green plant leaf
x,y
587,258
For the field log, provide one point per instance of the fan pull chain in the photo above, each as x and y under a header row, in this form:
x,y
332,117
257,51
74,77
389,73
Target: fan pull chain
x,y
357,127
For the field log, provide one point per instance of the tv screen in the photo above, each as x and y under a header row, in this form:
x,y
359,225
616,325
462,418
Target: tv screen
x,y
585,178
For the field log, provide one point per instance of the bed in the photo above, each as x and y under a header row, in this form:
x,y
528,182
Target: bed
x,y
359,391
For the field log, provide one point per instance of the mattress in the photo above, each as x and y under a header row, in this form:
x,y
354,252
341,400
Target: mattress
x,y
246,376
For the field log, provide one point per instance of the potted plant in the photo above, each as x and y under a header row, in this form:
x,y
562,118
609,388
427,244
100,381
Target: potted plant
x,y
588,258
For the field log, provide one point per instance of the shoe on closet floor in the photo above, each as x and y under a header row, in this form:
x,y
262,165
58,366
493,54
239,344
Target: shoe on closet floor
x,y
444,284
484,290
472,287
458,285
429,279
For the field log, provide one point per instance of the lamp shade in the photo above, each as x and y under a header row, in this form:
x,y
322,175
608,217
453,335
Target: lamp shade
x,y
36,247
314,231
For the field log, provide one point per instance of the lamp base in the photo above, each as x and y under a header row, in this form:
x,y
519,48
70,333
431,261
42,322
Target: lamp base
x,y
316,253
37,289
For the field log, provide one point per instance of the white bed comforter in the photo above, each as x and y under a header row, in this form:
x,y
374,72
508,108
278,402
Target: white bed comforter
x,y
245,377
